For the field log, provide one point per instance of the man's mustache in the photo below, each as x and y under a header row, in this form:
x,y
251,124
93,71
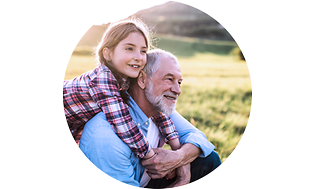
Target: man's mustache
x,y
171,95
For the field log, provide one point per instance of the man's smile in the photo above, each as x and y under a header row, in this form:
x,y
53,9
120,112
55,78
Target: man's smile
x,y
171,97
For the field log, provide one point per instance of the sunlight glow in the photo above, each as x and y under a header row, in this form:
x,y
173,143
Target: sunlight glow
x,y
115,11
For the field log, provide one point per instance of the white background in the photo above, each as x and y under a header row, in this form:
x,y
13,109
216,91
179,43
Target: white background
x,y
36,42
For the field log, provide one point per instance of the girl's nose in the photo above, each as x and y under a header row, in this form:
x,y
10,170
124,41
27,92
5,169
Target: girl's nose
x,y
137,57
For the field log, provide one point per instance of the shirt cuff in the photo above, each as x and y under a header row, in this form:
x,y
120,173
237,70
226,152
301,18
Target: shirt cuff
x,y
206,147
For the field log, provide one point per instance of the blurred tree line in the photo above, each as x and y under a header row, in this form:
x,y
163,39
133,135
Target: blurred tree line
x,y
183,20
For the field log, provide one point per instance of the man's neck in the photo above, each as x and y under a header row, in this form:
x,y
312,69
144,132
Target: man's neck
x,y
139,97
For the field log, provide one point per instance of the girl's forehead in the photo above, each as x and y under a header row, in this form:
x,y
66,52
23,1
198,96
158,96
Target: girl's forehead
x,y
134,38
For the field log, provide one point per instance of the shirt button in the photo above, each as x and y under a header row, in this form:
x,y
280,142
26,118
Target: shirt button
x,y
146,123
138,124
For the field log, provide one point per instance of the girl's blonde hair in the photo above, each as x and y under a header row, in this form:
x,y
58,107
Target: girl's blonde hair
x,y
117,32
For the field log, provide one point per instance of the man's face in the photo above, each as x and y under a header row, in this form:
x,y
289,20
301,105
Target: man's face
x,y
163,89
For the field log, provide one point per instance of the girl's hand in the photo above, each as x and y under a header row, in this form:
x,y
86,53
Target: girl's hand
x,y
162,163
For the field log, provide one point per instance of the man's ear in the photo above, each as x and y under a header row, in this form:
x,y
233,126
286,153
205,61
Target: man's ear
x,y
141,80
106,54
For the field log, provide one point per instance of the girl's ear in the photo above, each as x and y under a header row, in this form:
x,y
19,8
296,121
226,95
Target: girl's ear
x,y
106,54
141,80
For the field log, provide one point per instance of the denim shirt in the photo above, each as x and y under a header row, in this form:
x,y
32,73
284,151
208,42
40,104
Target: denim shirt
x,y
109,153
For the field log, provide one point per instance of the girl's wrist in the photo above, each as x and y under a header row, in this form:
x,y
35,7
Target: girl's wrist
x,y
150,154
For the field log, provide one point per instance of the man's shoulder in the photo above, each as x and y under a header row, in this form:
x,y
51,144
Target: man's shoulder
x,y
107,151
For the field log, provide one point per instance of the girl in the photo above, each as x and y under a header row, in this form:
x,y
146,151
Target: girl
x,y
121,55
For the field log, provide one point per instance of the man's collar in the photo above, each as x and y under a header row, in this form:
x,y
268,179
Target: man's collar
x,y
136,112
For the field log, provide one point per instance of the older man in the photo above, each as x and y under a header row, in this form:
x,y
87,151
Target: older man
x,y
155,90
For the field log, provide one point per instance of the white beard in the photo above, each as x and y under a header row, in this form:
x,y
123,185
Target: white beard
x,y
158,102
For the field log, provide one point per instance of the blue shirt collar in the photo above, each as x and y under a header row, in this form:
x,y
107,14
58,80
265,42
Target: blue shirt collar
x,y
136,113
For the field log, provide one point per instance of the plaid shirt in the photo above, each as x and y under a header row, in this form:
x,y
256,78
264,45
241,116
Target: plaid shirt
x,y
98,90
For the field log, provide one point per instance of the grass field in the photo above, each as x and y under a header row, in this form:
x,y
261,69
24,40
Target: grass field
x,y
216,92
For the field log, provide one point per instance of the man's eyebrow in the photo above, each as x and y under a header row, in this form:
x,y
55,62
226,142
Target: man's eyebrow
x,y
169,74
172,75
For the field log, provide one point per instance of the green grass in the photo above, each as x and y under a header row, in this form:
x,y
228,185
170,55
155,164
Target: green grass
x,y
189,47
216,91
216,98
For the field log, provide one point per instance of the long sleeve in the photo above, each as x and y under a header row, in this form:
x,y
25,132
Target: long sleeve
x,y
190,134
104,91
108,152
165,125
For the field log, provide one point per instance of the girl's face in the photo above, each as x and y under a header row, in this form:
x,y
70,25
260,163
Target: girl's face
x,y
129,56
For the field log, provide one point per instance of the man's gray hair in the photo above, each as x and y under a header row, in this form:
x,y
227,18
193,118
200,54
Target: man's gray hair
x,y
154,58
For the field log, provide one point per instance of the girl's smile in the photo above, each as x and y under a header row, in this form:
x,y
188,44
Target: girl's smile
x,y
129,56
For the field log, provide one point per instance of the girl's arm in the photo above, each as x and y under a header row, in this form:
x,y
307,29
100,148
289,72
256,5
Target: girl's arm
x,y
175,144
104,91
166,126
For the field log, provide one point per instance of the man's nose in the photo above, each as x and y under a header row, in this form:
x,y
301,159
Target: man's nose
x,y
176,88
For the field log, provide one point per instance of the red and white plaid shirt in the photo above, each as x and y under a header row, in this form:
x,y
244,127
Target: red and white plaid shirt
x,y
98,90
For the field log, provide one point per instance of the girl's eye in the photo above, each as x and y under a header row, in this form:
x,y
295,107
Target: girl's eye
x,y
144,51
129,48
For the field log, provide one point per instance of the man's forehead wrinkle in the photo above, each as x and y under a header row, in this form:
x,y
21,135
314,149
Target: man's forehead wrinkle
x,y
169,72
179,74
162,73
167,66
